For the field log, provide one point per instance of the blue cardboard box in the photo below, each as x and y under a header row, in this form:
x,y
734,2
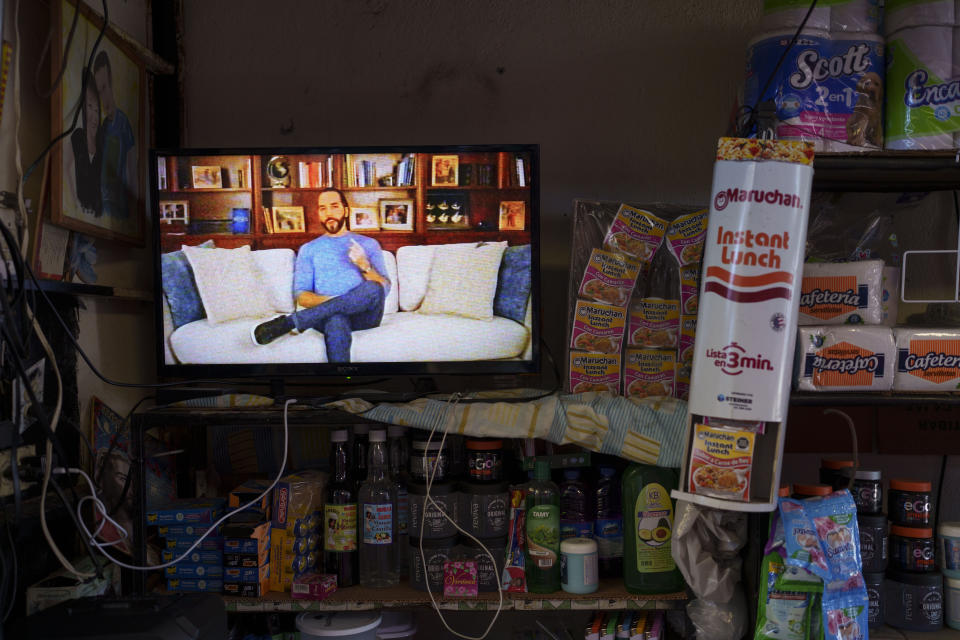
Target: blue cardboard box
x,y
186,570
194,584
195,557
189,511
209,543
183,531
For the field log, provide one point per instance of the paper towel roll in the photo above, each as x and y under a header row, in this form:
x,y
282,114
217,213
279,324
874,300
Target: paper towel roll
x,y
788,14
860,16
917,127
899,14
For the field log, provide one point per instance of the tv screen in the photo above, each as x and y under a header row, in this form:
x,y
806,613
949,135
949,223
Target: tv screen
x,y
347,261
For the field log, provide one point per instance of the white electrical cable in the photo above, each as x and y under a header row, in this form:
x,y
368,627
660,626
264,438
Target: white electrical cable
x,y
429,500
100,507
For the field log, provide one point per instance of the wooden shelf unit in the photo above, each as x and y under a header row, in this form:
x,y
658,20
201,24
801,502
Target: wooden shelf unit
x,y
214,204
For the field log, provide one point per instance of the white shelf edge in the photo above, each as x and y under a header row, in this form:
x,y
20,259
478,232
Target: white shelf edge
x,y
726,505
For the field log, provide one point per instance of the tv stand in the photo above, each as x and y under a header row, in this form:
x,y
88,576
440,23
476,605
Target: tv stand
x,y
424,384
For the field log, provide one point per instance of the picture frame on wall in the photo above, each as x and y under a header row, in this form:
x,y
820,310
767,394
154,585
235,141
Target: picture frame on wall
x,y
172,211
445,171
289,220
364,219
513,214
99,170
207,177
396,214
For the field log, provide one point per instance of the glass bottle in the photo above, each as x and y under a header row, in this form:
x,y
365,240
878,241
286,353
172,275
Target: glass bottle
x,y
399,451
378,510
340,514
360,447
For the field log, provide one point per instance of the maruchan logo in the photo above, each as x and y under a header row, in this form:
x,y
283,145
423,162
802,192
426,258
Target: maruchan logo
x,y
759,196
734,360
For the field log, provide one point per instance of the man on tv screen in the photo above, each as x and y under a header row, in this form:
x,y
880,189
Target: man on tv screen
x,y
338,280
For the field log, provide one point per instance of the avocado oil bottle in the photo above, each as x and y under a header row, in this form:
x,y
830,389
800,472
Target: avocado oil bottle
x,y
648,566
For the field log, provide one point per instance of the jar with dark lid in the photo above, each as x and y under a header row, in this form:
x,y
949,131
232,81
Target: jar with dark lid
x,y
436,552
874,584
867,489
424,457
873,542
431,518
485,460
912,549
801,491
487,571
830,469
484,509
909,503
913,601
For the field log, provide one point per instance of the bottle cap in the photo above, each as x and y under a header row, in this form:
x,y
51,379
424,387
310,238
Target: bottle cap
x,y
396,431
361,429
541,470
784,491
340,435
812,489
910,485
484,445
833,463
608,472
571,474
378,435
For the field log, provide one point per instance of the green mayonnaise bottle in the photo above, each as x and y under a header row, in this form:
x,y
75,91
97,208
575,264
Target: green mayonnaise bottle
x,y
543,531
648,566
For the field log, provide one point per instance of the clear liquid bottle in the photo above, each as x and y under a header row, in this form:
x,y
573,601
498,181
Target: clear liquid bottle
x,y
543,531
648,565
361,446
378,511
340,514
576,512
399,452
608,527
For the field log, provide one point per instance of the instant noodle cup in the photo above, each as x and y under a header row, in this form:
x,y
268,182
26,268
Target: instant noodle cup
x,y
654,323
721,460
635,233
598,328
685,236
690,290
594,372
649,373
609,278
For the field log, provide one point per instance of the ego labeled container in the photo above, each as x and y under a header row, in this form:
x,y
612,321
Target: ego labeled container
x,y
485,460
484,509
913,601
874,585
948,536
436,553
430,518
803,491
830,470
873,542
867,489
909,503
912,549
424,457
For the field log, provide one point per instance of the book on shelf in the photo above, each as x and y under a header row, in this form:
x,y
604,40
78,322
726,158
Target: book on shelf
x,y
520,174
267,219
162,173
466,175
405,170
313,175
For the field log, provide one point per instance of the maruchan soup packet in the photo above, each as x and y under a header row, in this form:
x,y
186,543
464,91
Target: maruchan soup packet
x,y
689,289
654,323
685,237
594,372
609,278
598,328
649,373
721,460
635,233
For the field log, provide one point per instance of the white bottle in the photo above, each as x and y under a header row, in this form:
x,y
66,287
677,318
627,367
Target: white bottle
x,y
378,511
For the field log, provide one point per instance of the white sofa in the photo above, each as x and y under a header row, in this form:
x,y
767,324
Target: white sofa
x,y
404,335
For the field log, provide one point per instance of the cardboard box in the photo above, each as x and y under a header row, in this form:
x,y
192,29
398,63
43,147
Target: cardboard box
x,y
259,576
243,560
247,540
62,585
187,570
313,586
184,531
195,557
248,491
194,585
190,511
243,590
209,543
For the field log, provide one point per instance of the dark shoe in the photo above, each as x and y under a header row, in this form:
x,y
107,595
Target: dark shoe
x,y
267,332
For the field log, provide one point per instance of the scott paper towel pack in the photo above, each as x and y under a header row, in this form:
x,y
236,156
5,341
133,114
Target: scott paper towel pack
x,y
923,88
927,360
842,293
899,14
831,358
838,15
828,90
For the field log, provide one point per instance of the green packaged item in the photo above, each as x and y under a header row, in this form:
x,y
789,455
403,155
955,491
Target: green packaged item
x,y
782,615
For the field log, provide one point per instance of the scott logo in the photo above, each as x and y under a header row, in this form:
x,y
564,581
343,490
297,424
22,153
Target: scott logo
x,y
811,67
733,360
720,201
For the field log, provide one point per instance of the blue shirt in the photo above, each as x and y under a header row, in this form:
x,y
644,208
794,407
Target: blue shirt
x,y
118,141
323,265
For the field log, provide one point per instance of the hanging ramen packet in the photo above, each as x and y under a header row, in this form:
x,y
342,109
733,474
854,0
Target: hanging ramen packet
x,y
835,520
635,233
803,547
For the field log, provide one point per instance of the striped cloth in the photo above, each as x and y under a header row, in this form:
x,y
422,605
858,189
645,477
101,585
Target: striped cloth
x,y
645,430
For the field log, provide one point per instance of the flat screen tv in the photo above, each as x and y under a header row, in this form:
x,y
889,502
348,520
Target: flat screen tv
x,y
347,261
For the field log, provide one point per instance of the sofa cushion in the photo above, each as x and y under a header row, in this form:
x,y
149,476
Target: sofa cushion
x,y
513,283
229,284
463,280
401,337
391,304
413,270
180,287
275,267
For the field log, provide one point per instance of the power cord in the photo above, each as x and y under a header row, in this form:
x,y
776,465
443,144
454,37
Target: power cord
x,y
101,509
428,500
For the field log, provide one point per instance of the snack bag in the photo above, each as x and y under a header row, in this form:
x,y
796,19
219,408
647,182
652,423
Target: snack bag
x,y
835,520
609,278
598,328
690,290
654,323
648,373
685,237
781,615
594,372
514,578
803,547
845,611
720,462
635,233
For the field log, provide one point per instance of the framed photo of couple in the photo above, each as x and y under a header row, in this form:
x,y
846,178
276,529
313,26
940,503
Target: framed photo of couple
x,y
97,170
